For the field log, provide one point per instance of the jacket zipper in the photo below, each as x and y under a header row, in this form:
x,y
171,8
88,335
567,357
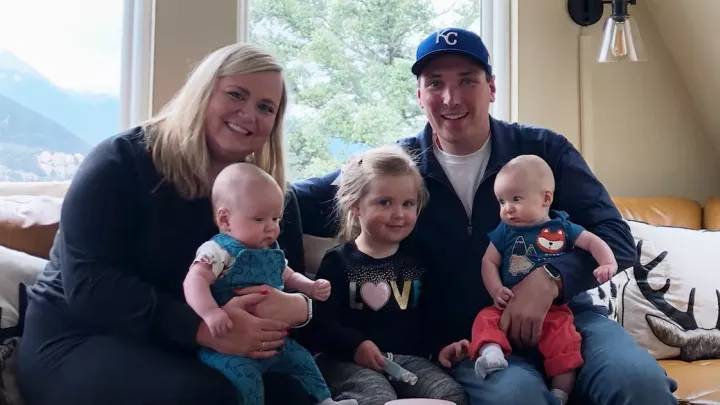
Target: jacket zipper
x,y
486,175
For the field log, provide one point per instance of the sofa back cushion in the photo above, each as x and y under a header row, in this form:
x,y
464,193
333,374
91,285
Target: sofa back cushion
x,y
666,211
29,223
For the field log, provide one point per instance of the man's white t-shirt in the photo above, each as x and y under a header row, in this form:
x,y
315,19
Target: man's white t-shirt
x,y
465,172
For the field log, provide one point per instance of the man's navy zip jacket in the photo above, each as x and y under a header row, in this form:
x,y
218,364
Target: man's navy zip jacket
x,y
456,243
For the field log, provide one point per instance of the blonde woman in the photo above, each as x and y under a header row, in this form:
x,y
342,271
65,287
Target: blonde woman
x,y
107,322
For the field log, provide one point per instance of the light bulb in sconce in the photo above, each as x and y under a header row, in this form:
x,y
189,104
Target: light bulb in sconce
x,y
621,37
621,41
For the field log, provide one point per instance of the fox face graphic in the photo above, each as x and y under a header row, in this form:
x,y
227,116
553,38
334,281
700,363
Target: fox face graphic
x,y
549,241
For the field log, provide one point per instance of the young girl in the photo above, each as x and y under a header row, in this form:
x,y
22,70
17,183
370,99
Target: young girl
x,y
375,308
248,204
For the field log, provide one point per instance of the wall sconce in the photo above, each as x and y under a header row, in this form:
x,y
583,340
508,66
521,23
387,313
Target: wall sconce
x,y
621,37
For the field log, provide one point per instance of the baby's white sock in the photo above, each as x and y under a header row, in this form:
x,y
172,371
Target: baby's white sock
x,y
330,401
491,359
561,395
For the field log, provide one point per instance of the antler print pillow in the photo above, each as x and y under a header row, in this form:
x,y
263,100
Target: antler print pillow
x,y
669,301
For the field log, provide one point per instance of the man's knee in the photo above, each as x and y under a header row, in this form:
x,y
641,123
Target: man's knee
x,y
505,389
617,367
643,385
515,385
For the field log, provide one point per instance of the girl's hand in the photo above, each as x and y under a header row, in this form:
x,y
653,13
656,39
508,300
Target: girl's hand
x,y
250,336
453,353
287,308
368,355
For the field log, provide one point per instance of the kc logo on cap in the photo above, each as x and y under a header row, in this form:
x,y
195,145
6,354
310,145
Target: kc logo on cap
x,y
452,40
446,34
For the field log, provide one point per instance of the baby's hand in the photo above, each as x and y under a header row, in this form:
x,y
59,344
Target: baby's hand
x,y
218,322
502,296
321,290
605,272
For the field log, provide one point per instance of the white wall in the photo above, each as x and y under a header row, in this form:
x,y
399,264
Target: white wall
x,y
186,31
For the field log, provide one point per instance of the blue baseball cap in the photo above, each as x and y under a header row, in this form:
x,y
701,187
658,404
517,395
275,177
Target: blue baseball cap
x,y
451,40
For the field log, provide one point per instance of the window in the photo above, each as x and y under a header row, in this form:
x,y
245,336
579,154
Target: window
x,y
348,70
60,77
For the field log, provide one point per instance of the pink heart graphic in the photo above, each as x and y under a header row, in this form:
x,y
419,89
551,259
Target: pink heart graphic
x,y
375,295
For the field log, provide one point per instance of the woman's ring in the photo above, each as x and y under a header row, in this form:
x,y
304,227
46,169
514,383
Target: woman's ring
x,y
263,347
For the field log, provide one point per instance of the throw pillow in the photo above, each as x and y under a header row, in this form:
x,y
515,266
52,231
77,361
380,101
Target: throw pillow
x,y
669,301
17,270
605,296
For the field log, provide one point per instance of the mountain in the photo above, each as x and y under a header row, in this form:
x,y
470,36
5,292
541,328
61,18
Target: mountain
x,y
33,147
92,117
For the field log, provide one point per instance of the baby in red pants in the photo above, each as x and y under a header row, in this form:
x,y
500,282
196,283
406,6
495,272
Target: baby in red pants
x,y
529,235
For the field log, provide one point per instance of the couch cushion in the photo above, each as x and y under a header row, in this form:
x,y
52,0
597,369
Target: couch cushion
x,y
669,211
698,382
29,223
670,302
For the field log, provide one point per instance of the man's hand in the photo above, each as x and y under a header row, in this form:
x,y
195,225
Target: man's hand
x,y
453,353
523,317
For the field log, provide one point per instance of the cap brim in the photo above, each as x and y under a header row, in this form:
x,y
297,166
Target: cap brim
x,y
420,64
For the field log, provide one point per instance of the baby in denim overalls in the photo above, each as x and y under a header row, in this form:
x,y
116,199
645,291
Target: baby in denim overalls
x,y
248,205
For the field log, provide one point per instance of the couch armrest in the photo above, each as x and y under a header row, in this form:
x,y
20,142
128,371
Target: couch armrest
x,y
711,216
29,223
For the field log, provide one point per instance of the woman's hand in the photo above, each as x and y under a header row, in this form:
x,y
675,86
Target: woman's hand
x,y
280,306
250,336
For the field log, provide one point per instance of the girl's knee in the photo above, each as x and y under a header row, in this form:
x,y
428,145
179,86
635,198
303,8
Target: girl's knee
x,y
369,397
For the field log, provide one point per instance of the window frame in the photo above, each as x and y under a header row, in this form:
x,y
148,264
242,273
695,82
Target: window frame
x,y
137,62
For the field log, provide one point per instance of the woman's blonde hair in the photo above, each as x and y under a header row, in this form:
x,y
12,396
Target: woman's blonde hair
x,y
390,160
176,135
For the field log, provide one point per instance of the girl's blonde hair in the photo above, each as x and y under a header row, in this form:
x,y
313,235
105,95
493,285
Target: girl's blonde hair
x,y
390,160
176,135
